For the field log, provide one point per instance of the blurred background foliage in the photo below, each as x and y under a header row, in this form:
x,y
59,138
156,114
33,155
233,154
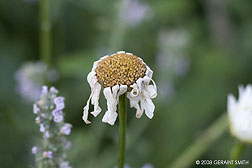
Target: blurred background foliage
x,y
199,50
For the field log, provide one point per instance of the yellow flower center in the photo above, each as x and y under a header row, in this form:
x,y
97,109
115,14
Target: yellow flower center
x,y
120,69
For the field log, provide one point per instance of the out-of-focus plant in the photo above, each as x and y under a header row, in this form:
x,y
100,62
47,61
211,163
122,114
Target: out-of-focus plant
x,y
172,58
50,118
30,78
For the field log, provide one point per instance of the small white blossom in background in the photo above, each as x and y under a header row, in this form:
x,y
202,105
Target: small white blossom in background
x,y
30,78
50,118
133,12
121,73
240,114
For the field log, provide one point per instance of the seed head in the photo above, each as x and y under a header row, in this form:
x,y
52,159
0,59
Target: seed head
x,y
120,69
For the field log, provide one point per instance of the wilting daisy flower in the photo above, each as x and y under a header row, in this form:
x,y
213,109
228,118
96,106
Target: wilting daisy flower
x,y
31,76
240,114
120,73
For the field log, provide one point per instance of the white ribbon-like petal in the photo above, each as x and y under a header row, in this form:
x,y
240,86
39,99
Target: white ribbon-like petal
x,y
92,79
148,72
143,92
111,96
123,89
95,99
147,105
85,111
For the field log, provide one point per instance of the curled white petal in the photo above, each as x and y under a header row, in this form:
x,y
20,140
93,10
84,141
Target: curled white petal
x,y
123,89
134,102
92,79
148,72
148,106
95,99
152,90
85,112
111,96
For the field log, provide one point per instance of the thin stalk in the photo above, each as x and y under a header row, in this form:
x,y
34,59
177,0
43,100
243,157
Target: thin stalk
x,y
45,31
122,129
203,143
236,153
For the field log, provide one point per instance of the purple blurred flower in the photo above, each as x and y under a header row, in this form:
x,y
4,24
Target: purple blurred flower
x,y
53,127
30,78
58,118
66,129
37,120
35,109
42,128
46,135
34,150
48,154
44,90
57,112
53,90
68,144
59,102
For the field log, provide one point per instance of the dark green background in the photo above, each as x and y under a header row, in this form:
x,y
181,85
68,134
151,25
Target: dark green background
x,y
220,59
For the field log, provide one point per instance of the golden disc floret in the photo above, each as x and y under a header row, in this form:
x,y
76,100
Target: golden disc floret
x,y
120,69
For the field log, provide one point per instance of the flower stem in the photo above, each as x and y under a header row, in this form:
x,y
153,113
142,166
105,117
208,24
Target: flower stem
x,y
45,31
236,152
122,129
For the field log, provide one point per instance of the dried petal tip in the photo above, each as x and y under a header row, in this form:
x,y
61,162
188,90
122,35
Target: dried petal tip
x,y
120,69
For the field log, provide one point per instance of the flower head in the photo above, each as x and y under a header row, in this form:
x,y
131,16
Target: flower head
x,y
34,150
240,114
120,73
48,154
66,129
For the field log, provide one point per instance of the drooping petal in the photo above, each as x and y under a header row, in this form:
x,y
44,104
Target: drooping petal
x,y
85,111
152,90
111,114
148,72
135,103
95,99
92,79
123,89
148,107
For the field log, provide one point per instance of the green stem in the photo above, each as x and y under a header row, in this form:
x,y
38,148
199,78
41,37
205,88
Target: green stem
x,y
236,152
122,129
195,150
45,31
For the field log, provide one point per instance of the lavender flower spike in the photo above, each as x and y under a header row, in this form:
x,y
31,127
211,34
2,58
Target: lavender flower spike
x,y
50,118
